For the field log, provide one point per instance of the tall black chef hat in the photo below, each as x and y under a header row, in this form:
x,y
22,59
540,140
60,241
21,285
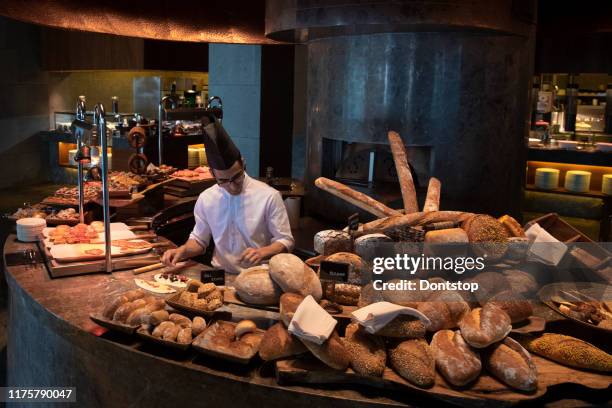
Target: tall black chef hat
x,y
221,151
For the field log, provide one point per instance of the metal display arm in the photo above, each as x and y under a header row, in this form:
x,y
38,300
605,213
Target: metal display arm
x,y
80,115
160,117
100,122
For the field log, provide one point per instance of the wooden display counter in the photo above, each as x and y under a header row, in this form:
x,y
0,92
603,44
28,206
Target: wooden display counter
x,y
52,342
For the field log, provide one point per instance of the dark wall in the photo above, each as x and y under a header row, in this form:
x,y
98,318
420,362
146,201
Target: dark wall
x,y
175,56
574,37
276,123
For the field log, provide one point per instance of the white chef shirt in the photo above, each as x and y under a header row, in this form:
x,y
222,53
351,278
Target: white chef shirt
x,y
254,218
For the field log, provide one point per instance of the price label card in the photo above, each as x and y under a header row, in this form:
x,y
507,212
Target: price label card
x,y
334,271
216,276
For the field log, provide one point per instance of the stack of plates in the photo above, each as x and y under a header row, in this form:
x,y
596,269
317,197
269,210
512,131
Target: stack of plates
x,y
606,184
30,229
578,181
546,178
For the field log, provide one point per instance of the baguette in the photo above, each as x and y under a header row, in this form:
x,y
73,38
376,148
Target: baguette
x,y
354,197
332,352
398,149
414,361
277,343
569,351
432,200
458,363
509,362
367,352
410,220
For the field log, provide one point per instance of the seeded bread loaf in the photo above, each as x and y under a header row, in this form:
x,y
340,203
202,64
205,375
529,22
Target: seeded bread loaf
x,y
414,361
367,352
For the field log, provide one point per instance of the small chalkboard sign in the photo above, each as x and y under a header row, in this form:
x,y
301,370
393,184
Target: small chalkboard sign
x,y
353,222
334,271
216,276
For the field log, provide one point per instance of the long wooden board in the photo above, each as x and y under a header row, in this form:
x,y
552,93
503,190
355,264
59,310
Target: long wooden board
x,y
485,391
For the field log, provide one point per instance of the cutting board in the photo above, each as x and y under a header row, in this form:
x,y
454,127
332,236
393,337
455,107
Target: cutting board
x,y
76,252
485,391
119,230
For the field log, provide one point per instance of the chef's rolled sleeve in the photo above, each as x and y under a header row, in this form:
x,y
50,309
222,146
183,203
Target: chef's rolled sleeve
x,y
278,222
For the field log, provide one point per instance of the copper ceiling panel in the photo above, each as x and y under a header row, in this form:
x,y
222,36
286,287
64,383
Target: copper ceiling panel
x,y
240,22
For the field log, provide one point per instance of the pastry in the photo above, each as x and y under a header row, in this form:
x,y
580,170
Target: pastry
x,y
244,327
414,361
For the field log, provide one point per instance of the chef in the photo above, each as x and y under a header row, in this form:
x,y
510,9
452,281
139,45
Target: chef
x,y
246,218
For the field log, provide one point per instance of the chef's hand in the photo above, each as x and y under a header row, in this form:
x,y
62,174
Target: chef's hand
x,y
172,256
253,256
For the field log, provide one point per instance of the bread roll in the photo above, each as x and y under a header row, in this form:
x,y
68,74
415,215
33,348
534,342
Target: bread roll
x,y
512,226
458,363
367,352
244,327
414,361
159,330
278,343
356,265
332,352
484,326
403,327
134,294
184,336
123,311
328,242
294,276
510,363
193,286
111,307
488,236
444,309
517,308
254,285
198,325
171,332
157,317
138,316
206,289
289,303
156,303
569,351
180,320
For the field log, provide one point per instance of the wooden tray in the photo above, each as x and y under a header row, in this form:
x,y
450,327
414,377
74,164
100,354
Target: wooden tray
x,y
113,325
595,290
199,344
146,336
61,253
486,390
172,301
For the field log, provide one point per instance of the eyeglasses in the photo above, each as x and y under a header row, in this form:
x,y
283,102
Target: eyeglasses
x,y
236,178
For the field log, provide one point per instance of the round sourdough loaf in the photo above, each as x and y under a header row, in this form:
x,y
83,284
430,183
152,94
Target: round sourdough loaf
x,y
294,276
254,285
329,242
356,265
485,326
